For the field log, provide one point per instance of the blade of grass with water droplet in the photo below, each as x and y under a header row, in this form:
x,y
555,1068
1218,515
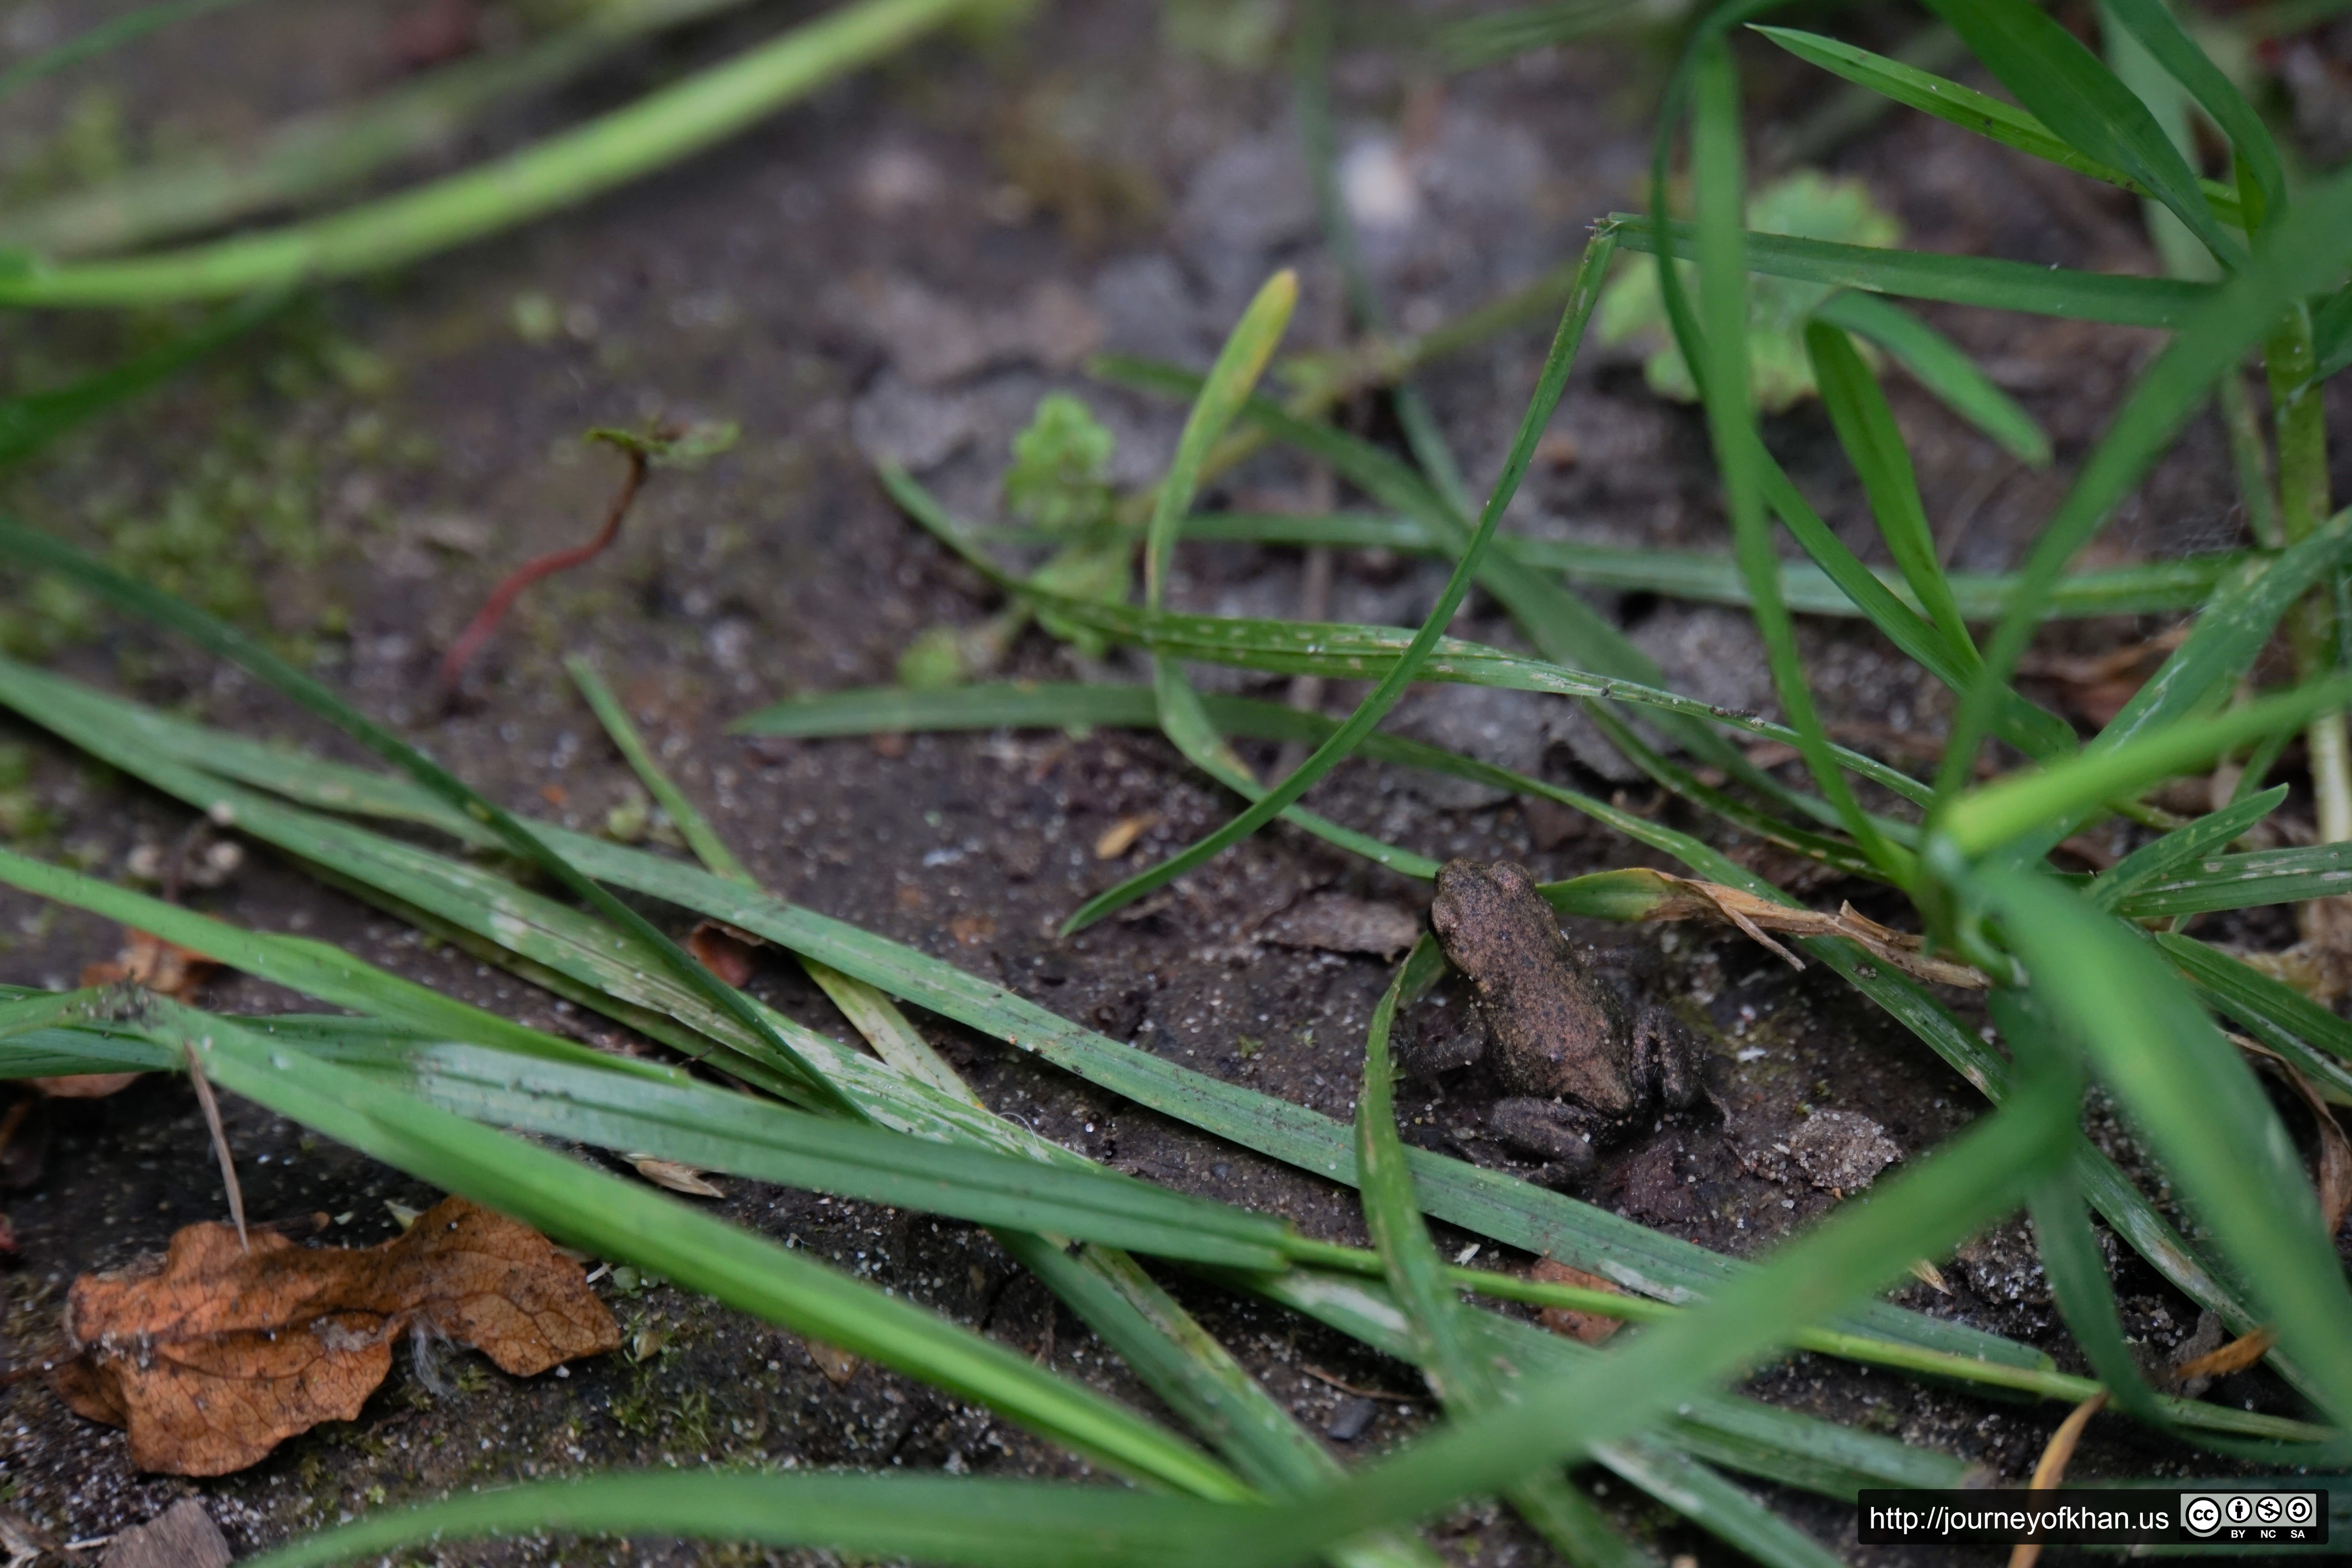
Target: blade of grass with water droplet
x,y
226,642
1415,654
2159,856
2243,882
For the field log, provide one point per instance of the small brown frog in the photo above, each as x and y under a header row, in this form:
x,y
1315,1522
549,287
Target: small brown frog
x,y
1580,1067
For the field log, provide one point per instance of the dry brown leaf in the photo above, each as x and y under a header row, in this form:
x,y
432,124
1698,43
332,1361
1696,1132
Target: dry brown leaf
x,y
1120,835
163,967
676,1177
1591,1328
837,1364
724,950
2236,1356
181,1536
1931,1275
211,1355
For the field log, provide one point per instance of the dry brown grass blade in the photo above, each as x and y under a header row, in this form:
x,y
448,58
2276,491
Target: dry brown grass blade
x,y
2236,1356
2052,1469
220,1147
1693,900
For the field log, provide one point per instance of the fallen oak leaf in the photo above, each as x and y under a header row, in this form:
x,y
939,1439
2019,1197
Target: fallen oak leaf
x,y
212,1355
724,950
1588,1328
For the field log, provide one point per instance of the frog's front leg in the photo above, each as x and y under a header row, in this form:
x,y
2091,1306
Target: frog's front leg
x,y
1554,1132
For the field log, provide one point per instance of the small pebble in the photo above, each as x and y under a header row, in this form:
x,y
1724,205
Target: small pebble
x,y
1350,1421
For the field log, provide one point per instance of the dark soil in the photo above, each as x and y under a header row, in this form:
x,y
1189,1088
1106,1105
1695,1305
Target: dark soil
x,y
901,266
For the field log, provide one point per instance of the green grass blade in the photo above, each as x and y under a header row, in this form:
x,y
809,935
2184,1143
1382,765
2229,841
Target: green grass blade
x,y
1239,364
141,744
2229,634
1732,1430
1227,387
104,38
2198,1108
1346,652
2158,857
657,130
2022,803
2112,298
1969,1180
2072,91
226,642
1972,110
2243,882
2331,330
1400,674
1935,363
2077,1272
2304,251
31,420
874,1016
967,1521
1717,337
2141,588
624,1219
1563,628
692,826
1865,427
2307,1034
1463,1380
182,194
2152,22
1199,1379
311,968
717,1130
1480,41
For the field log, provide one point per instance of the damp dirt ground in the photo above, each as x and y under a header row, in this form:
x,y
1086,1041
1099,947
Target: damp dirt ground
x,y
900,268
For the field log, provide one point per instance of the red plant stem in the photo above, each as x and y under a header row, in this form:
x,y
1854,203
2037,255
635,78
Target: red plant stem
x,y
494,609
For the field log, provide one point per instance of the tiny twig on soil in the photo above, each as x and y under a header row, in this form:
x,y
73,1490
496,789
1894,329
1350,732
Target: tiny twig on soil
x,y
484,623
